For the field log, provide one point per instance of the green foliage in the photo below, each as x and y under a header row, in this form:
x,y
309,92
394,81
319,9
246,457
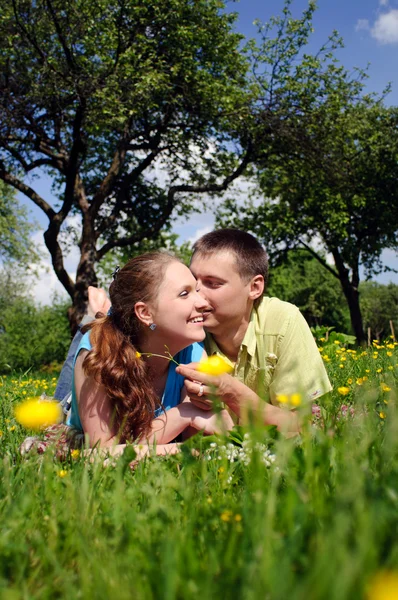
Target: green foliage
x,y
15,229
119,256
303,281
325,158
379,305
32,336
128,106
317,523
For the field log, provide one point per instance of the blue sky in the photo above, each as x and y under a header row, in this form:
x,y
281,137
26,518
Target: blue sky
x,y
370,32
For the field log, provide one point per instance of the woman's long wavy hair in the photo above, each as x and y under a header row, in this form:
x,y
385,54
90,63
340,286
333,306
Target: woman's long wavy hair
x,y
115,340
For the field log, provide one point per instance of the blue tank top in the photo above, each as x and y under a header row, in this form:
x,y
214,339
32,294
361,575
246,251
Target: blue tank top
x,y
174,383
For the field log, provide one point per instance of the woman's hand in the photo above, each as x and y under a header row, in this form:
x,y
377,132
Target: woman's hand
x,y
209,422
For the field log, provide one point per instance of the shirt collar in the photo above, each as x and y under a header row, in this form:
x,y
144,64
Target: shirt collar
x,y
249,341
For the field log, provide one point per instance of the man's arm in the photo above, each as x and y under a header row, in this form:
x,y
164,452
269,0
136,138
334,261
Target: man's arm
x,y
239,398
98,301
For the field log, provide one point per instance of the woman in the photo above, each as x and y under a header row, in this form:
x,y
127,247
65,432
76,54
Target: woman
x,y
125,386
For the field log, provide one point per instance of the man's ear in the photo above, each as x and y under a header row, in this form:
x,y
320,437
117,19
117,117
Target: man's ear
x,y
143,313
256,287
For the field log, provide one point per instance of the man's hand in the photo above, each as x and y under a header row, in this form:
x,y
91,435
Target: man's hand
x,y
201,385
98,301
239,398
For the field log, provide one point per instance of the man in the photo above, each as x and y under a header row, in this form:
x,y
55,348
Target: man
x,y
267,342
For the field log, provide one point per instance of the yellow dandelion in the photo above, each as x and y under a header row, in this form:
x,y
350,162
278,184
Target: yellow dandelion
x,y
75,453
389,353
385,388
391,346
343,358
325,357
282,398
35,413
379,370
62,473
214,365
226,516
390,368
138,354
360,381
322,339
337,342
349,381
343,390
13,428
295,399
238,518
367,370
221,470
341,365
382,415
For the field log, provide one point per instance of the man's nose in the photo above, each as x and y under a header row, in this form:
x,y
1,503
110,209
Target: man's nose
x,y
201,300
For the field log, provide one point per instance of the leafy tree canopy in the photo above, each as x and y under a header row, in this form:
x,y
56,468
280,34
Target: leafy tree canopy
x,y
328,169
15,229
127,105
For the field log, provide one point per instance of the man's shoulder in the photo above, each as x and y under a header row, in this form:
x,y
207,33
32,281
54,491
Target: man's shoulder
x,y
273,315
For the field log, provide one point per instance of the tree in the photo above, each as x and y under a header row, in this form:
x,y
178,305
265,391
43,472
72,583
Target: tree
x,y
108,96
329,174
15,229
303,281
379,304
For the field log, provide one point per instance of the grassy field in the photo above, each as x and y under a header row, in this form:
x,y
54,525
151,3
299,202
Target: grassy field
x,y
314,517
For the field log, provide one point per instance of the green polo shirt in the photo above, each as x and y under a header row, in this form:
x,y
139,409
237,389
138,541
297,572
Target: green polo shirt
x,y
278,355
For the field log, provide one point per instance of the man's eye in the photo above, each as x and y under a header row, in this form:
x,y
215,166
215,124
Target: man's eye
x,y
212,284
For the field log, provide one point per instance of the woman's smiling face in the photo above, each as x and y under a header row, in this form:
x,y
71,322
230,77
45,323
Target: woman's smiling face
x,y
177,310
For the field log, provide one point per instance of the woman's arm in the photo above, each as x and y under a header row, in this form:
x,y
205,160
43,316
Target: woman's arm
x,y
187,417
95,408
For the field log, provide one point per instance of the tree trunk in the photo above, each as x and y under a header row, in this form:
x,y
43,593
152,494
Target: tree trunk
x,y
352,295
351,292
85,276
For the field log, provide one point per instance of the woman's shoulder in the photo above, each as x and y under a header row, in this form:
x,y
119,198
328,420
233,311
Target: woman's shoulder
x,y
84,344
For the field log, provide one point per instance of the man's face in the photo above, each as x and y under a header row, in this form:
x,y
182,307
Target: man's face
x,y
227,295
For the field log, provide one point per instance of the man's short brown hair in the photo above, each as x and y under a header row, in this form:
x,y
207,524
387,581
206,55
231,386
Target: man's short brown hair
x,y
251,258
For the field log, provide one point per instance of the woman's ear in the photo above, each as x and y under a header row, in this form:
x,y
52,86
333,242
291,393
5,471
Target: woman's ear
x,y
256,287
143,313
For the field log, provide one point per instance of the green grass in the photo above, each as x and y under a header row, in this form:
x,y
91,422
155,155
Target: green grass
x,y
318,523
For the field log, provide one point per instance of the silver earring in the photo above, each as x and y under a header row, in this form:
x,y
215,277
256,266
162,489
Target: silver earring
x,y
152,326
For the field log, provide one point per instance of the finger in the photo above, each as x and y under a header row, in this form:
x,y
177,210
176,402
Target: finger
x,y
202,403
195,388
194,375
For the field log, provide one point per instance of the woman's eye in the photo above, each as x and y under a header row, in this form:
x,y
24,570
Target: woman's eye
x,y
183,294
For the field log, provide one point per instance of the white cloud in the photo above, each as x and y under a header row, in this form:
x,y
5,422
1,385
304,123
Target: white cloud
x,y
362,25
202,231
385,29
383,2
